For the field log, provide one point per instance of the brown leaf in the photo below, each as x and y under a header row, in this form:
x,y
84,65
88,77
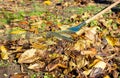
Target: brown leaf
x,y
92,52
90,33
19,75
28,56
37,66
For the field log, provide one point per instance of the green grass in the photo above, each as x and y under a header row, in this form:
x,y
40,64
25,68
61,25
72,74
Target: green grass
x,y
3,63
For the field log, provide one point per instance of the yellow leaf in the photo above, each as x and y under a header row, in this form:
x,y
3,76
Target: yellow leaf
x,y
37,24
3,49
17,30
28,56
36,66
47,2
4,53
112,41
94,62
39,45
100,64
19,48
87,72
107,76
79,45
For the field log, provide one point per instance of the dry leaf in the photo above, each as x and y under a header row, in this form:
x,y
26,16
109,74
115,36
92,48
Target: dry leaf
x,y
107,76
112,41
37,24
39,45
37,66
92,52
47,2
19,75
51,67
94,62
87,72
28,56
17,31
64,27
4,52
90,33
81,61
100,64
80,45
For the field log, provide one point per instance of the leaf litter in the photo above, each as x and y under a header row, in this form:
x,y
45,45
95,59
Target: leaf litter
x,y
93,52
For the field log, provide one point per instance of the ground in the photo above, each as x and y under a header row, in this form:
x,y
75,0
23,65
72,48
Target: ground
x,y
34,43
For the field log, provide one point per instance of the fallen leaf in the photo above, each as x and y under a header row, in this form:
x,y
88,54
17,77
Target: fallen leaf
x,y
81,61
36,24
113,41
100,64
90,33
79,45
47,2
28,56
36,66
51,67
64,27
94,62
4,52
39,45
91,52
87,72
17,30
19,75
107,76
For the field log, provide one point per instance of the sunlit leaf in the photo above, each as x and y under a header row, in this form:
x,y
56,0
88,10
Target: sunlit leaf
x,y
107,76
37,66
94,62
47,2
92,52
81,61
4,53
112,41
39,45
19,49
50,42
79,45
36,24
87,72
28,56
17,30
100,64
90,33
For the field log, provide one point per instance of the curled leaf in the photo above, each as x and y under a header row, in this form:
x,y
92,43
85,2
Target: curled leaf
x,y
28,56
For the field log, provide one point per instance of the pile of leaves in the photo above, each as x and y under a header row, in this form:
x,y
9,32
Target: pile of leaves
x,y
31,43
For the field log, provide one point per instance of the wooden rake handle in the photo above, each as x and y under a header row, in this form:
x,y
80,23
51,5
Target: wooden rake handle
x,y
102,12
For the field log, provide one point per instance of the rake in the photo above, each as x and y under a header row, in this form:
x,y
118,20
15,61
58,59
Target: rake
x,y
75,29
